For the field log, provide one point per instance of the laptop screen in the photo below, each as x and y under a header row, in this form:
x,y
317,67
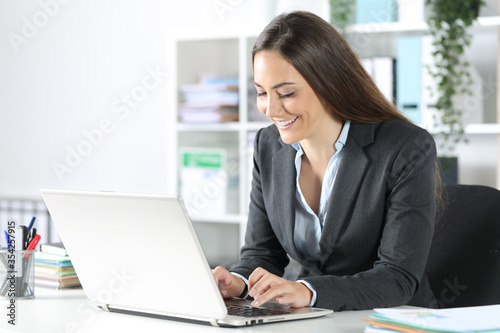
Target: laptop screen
x,y
136,251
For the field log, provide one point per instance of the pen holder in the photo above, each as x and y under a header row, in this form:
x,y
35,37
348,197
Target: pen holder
x,y
17,274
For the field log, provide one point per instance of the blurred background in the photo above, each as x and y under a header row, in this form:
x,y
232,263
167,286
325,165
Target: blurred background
x,y
92,94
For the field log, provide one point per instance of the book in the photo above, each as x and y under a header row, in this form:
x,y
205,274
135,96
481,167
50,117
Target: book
x,y
208,114
54,248
454,320
47,280
213,100
204,180
54,270
50,257
59,272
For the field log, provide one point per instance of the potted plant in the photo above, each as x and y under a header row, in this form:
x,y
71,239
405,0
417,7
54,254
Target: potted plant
x,y
448,25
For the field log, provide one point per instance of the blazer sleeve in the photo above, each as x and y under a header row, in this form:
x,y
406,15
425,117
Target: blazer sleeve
x,y
405,240
262,248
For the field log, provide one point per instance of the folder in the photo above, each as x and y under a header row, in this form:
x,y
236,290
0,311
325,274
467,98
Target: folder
x,y
409,78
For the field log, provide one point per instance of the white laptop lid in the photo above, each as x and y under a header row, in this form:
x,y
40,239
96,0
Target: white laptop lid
x,y
136,252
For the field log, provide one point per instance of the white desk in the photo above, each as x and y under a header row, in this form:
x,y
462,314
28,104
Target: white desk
x,y
68,311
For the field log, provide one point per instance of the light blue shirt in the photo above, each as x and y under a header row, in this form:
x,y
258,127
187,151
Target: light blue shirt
x,y
308,225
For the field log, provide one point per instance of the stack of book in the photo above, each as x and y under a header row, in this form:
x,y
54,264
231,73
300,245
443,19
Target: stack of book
x,y
473,319
211,101
53,268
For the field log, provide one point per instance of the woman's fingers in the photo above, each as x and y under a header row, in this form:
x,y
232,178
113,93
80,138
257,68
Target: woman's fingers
x,y
265,287
229,285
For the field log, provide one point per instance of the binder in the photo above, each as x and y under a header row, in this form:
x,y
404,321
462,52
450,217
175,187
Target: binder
x,y
409,78
383,72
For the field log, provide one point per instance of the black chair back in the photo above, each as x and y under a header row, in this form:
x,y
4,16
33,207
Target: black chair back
x,y
464,260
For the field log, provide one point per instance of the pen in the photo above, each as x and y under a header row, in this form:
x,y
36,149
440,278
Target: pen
x,y
7,238
31,223
32,245
19,246
31,234
21,236
3,259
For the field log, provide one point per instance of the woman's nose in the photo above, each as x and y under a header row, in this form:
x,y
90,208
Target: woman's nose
x,y
273,107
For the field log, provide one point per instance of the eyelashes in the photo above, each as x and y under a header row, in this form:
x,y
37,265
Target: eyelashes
x,y
281,96
287,95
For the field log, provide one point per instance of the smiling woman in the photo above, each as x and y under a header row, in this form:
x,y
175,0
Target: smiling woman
x,y
342,182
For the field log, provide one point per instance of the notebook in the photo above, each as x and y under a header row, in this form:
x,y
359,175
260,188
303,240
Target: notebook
x,y
139,254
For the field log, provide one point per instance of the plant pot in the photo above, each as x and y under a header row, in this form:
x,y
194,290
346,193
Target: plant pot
x,y
429,11
449,170
475,6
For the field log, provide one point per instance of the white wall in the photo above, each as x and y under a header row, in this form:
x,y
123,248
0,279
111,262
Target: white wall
x,y
66,70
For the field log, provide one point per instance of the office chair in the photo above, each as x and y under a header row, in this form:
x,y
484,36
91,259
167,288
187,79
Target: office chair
x,y
464,261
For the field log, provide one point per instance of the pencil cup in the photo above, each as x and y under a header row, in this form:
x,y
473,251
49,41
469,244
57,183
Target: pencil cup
x,y
17,274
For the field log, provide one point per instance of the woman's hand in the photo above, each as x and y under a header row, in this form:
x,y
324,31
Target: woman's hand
x,y
265,286
229,285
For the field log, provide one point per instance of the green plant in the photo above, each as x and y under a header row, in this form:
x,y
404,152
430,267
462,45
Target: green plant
x,y
448,24
341,12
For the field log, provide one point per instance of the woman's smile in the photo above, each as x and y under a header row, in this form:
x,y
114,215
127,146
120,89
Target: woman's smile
x,y
285,124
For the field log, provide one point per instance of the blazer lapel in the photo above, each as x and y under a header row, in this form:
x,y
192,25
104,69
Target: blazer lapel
x,y
350,174
284,172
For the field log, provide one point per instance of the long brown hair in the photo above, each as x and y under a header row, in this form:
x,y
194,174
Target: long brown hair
x,y
332,69
328,64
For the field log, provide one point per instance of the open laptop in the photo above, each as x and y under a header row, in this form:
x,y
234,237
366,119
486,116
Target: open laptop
x,y
139,254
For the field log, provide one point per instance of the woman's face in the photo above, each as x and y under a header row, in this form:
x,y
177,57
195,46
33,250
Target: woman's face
x,y
286,98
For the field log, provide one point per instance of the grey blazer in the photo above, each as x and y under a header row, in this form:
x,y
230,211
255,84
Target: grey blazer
x,y
380,217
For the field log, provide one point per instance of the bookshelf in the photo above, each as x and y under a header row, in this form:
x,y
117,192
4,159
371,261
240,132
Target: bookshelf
x,y
228,51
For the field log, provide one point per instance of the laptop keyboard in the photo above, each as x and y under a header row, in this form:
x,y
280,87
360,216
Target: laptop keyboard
x,y
248,311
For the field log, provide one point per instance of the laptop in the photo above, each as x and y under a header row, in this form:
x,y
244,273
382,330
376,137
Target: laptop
x,y
139,254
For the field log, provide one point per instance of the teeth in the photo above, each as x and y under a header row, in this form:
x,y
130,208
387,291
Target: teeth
x,y
287,122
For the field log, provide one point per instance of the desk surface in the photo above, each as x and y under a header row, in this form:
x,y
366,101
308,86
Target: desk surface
x,y
70,311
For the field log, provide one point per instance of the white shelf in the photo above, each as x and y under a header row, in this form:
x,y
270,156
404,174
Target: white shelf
x,y
414,27
215,127
483,129
255,126
473,129
230,219
388,27
222,127
233,32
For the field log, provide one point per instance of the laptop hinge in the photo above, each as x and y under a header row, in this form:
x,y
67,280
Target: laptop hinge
x,y
103,306
213,322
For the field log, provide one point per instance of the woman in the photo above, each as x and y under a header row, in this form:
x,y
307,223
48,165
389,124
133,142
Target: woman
x,y
342,182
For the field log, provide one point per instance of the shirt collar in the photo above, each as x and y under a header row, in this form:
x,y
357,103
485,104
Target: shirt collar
x,y
340,141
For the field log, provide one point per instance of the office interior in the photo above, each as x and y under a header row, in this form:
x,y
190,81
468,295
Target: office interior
x,y
89,100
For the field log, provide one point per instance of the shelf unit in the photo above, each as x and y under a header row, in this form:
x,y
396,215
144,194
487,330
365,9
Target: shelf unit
x,y
404,28
379,39
229,50
216,50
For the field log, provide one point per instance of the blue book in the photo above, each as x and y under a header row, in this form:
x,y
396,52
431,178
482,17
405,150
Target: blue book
x,y
53,260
